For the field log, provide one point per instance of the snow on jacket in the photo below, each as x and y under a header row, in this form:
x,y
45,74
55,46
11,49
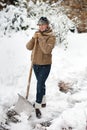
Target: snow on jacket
x,y
41,45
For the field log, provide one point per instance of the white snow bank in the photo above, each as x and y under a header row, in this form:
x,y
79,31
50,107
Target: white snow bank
x,y
69,66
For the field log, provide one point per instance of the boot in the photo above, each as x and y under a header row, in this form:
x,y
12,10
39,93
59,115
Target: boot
x,y
43,105
38,113
37,110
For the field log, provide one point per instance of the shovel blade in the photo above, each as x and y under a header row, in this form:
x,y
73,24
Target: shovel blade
x,y
23,105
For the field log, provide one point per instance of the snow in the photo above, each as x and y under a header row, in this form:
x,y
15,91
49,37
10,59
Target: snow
x,y
64,110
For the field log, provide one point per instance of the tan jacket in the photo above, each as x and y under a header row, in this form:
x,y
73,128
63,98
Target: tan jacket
x,y
41,45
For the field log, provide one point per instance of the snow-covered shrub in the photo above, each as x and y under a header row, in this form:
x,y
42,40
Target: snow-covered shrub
x,y
14,19
17,18
56,15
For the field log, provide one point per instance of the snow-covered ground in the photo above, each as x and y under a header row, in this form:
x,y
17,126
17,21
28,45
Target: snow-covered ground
x,y
64,110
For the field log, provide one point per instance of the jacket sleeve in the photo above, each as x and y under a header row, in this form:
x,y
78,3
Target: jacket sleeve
x,y
47,45
30,44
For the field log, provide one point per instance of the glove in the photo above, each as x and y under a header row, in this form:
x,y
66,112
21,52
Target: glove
x,y
38,36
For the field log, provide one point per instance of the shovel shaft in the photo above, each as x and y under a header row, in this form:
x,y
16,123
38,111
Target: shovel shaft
x,y
29,80
30,74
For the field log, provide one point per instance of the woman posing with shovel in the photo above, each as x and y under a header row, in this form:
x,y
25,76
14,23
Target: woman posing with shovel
x,y
41,45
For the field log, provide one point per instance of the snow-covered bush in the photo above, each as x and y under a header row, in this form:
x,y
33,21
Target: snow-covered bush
x,y
56,15
14,19
17,18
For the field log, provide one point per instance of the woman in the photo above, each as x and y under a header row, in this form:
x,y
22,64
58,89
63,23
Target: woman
x,y
41,45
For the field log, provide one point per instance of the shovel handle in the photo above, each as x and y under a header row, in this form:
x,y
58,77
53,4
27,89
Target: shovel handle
x,y
29,80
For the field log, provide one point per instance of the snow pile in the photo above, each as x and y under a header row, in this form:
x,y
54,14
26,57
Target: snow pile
x,y
71,66
64,110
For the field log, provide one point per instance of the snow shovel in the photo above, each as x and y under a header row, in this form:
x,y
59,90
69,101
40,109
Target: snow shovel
x,y
23,105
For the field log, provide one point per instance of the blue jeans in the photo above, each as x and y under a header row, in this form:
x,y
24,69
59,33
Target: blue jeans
x,y
41,73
